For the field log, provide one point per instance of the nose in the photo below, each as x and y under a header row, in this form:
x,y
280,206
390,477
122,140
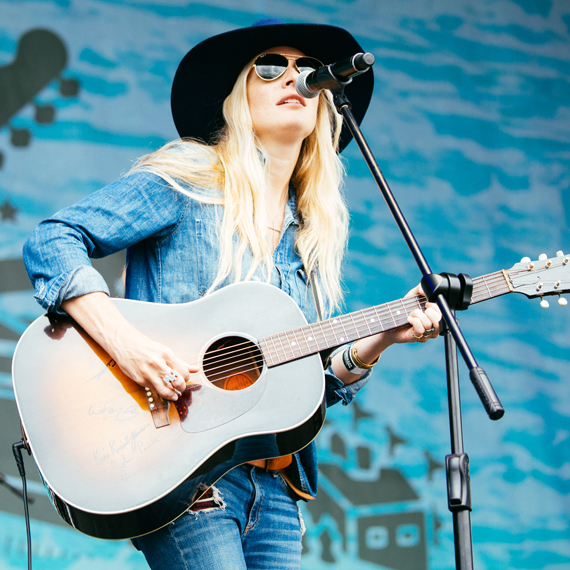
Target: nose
x,y
290,74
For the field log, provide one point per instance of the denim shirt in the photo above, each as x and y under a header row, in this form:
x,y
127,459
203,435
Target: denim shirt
x,y
172,243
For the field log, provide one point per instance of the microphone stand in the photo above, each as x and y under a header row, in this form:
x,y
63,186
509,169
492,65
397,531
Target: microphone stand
x,y
451,293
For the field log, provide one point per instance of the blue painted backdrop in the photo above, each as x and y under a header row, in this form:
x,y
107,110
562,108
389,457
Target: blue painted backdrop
x,y
470,123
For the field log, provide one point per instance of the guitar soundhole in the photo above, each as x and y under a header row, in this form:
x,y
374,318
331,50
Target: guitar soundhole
x,y
233,363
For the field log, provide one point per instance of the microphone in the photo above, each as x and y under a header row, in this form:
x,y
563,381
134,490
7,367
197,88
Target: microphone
x,y
310,83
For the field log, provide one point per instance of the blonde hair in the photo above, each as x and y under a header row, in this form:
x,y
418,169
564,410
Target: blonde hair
x,y
236,164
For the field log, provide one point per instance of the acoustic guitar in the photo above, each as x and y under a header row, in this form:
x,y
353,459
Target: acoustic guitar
x,y
119,462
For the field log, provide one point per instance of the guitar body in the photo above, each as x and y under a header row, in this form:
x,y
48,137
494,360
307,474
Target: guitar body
x,y
109,470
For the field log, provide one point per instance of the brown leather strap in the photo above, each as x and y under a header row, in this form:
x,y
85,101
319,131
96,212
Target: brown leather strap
x,y
280,464
296,490
258,463
275,464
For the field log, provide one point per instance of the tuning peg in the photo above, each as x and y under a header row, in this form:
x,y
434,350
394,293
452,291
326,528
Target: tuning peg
x,y
525,260
562,301
542,257
544,304
559,254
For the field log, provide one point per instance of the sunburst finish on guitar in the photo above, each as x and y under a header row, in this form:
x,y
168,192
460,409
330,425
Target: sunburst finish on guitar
x,y
119,462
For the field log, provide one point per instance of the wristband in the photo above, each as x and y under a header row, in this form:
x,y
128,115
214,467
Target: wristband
x,y
349,363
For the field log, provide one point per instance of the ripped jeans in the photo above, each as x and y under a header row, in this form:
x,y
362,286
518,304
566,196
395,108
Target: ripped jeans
x,y
250,521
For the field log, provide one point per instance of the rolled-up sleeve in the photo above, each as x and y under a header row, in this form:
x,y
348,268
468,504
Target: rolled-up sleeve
x,y
337,391
57,254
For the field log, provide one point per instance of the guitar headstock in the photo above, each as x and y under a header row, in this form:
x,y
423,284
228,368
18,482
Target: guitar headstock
x,y
546,276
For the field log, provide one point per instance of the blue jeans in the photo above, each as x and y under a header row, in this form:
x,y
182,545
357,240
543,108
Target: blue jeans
x,y
249,522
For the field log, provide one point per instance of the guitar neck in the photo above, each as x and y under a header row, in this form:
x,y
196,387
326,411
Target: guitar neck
x,y
329,334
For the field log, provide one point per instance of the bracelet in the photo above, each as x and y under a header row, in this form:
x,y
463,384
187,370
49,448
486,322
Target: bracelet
x,y
358,362
349,363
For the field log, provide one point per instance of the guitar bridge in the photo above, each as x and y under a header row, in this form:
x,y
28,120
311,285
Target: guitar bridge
x,y
158,408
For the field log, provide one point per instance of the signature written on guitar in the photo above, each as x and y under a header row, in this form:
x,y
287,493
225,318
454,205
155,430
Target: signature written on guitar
x,y
129,444
120,414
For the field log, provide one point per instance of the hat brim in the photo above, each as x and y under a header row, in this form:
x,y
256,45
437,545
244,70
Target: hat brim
x,y
207,73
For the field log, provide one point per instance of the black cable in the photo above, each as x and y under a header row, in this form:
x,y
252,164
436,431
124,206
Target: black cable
x,y
17,450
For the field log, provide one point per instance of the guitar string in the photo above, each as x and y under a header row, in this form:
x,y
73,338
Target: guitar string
x,y
357,318
484,287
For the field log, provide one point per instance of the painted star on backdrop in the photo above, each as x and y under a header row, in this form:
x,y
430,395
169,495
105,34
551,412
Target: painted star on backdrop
x,y
7,211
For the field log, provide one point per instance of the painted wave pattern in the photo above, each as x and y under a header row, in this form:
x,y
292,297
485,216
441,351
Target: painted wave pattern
x,y
470,124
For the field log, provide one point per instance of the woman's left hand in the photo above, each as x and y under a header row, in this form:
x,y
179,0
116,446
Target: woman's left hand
x,y
425,325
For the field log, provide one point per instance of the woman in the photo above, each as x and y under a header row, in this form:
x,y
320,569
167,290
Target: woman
x,y
258,199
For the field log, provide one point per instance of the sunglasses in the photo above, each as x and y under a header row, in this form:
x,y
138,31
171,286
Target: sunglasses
x,y
270,66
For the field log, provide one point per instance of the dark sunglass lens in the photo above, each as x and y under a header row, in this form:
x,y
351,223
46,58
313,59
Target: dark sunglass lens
x,y
271,65
308,64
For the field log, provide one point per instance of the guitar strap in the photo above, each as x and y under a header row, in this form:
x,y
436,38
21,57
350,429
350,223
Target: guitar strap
x,y
316,295
325,354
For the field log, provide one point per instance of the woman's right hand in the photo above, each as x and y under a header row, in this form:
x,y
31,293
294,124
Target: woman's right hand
x,y
142,359
148,362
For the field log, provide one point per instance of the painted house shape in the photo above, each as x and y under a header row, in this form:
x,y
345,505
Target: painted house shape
x,y
385,513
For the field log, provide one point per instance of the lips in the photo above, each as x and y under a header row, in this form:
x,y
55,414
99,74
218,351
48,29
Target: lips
x,y
292,100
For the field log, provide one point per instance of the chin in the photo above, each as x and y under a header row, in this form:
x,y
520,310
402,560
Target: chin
x,y
298,129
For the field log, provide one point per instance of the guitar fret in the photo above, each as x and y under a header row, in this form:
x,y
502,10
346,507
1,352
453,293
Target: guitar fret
x,y
405,312
323,334
391,314
358,335
295,343
343,339
331,324
266,352
280,339
366,322
274,349
379,318
317,334
306,339
487,286
375,318
290,344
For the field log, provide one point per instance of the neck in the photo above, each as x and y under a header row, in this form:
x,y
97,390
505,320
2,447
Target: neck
x,y
282,159
281,162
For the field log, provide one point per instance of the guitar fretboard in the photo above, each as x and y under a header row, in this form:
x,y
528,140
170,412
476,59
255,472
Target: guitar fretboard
x,y
310,339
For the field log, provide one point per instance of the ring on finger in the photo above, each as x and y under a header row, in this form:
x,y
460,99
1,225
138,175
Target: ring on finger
x,y
428,332
171,377
415,336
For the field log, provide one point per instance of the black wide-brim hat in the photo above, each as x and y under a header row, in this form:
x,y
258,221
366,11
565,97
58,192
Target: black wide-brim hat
x,y
207,73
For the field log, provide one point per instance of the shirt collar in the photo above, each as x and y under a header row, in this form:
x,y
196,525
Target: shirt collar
x,y
291,216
